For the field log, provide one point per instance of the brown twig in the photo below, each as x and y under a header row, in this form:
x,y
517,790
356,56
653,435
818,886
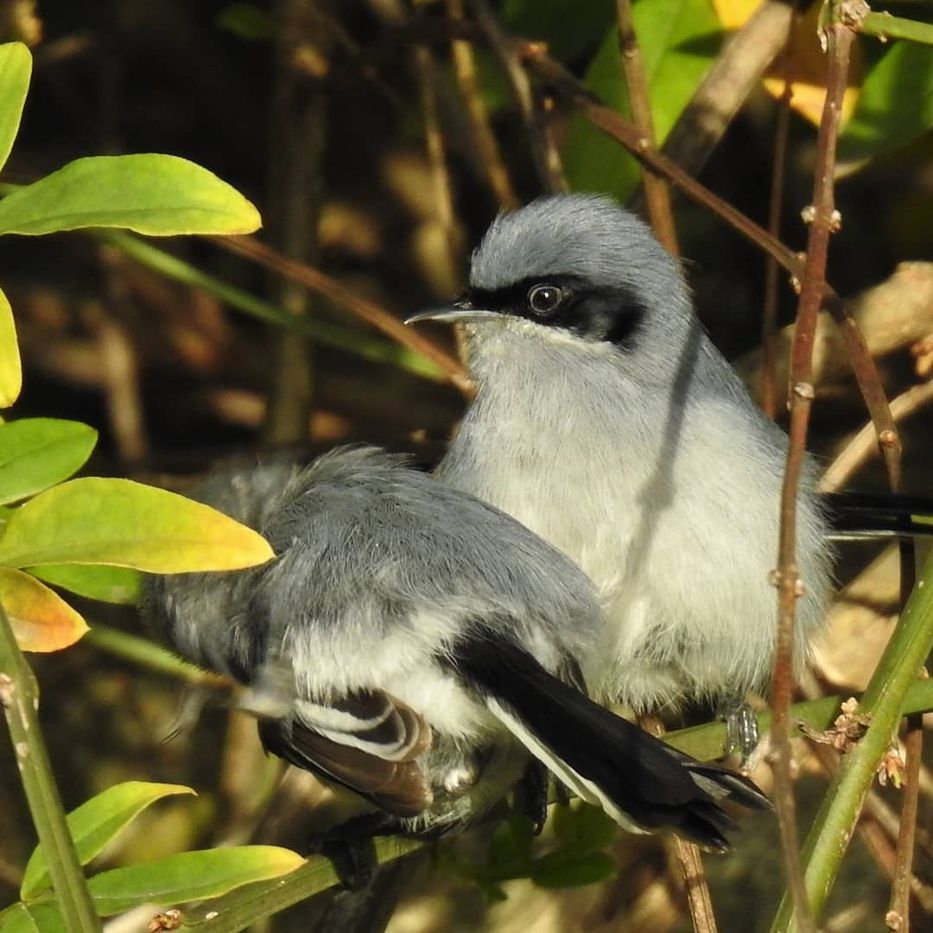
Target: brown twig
x,y
657,193
505,51
699,901
823,222
864,444
361,308
769,311
490,157
297,134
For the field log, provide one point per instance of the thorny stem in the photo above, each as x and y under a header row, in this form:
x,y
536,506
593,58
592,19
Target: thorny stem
x,y
769,312
657,193
19,697
790,586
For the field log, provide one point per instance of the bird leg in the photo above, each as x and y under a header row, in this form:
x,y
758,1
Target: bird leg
x,y
741,727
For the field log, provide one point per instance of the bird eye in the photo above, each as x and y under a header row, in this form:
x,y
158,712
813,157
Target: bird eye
x,y
543,299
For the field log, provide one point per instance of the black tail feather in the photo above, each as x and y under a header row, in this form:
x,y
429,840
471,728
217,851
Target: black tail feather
x,y
638,779
871,515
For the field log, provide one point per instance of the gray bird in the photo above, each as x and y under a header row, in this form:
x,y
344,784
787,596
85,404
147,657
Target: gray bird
x,y
607,422
419,644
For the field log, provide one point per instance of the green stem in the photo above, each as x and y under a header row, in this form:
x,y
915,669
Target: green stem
x,y
240,908
886,26
883,702
148,655
361,344
19,696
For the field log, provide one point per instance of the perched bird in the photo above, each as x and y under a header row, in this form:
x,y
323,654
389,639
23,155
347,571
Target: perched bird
x,y
607,422
419,644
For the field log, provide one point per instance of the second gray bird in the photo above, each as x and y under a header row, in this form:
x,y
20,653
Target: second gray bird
x,y
417,645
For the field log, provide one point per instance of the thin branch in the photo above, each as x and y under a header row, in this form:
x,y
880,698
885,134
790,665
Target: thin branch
x,y
490,157
778,171
505,51
898,917
364,345
699,902
657,193
362,308
823,223
864,444
883,705
19,697
885,26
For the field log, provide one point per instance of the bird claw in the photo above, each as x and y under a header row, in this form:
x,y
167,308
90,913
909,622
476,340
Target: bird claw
x,y
742,733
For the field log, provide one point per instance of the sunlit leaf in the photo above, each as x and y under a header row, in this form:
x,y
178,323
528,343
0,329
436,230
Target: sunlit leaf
x,y
119,585
11,371
895,105
581,828
189,876
159,195
32,918
678,40
807,64
127,524
96,823
41,619
36,453
15,70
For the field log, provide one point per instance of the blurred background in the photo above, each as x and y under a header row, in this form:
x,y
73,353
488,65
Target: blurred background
x,y
378,138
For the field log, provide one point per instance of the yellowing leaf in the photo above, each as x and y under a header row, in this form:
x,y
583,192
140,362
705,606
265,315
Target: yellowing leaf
x,y
807,65
127,524
41,619
15,70
159,195
11,372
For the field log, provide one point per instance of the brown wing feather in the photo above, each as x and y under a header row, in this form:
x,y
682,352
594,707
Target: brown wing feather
x,y
397,786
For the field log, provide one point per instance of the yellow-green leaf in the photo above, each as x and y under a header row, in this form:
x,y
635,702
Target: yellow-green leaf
x,y
33,918
188,876
119,585
96,823
15,69
127,524
41,619
11,371
159,195
36,453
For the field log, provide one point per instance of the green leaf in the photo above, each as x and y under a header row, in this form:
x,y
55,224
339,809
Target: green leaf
x,y
40,618
15,70
11,370
127,524
119,585
33,918
189,876
679,40
582,829
557,871
510,849
159,195
95,823
36,453
895,104
247,21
